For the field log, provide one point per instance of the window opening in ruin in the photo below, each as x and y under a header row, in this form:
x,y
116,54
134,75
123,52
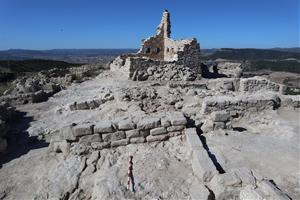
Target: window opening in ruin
x,y
147,50
157,50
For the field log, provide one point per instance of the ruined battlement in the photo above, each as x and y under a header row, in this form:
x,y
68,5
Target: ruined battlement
x,y
160,50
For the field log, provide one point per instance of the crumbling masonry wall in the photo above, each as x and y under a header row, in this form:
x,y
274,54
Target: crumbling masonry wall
x,y
160,51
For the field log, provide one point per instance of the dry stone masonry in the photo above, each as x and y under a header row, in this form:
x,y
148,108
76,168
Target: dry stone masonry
x,y
81,138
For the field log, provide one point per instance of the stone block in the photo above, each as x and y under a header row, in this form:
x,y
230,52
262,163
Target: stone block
x,y
144,133
271,190
103,127
60,146
221,116
72,106
148,123
126,125
93,158
151,138
117,143
230,179
177,118
175,128
88,139
174,133
207,126
202,165
245,175
249,193
158,131
192,139
100,145
66,133
198,191
82,106
217,186
132,133
83,129
165,122
118,135
80,149
257,175
137,140
219,125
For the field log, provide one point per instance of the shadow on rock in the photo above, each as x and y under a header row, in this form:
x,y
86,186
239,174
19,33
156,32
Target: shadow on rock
x,y
19,141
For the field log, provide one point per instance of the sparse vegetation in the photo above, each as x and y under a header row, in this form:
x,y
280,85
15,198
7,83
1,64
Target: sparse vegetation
x,y
283,65
34,65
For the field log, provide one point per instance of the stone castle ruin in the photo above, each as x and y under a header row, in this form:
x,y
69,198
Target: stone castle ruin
x,y
162,58
210,139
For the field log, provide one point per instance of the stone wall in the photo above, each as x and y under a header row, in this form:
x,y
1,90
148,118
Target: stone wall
x,y
292,101
241,104
141,69
81,138
260,84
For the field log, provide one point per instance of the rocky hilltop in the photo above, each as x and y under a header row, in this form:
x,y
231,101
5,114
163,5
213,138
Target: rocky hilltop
x,y
158,125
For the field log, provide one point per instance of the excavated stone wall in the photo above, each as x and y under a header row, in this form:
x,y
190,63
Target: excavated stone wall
x,y
257,83
80,138
240,103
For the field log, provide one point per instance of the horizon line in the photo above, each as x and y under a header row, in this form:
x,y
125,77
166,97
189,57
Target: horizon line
x,y
138,48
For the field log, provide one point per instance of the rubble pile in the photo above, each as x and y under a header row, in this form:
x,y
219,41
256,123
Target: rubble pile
x,y
39,87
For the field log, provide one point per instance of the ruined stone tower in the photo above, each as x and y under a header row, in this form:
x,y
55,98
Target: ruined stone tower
x,y
164,27
159,50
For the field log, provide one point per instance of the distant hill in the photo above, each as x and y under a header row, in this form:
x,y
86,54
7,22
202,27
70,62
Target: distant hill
x,y
292,50
254,54
36,65
100,55
67,55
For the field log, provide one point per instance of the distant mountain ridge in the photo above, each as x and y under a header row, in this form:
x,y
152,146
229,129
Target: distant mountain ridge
x,y
68,55
93,55
255,54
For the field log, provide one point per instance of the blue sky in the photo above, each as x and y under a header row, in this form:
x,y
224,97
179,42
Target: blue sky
x,y
48,24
